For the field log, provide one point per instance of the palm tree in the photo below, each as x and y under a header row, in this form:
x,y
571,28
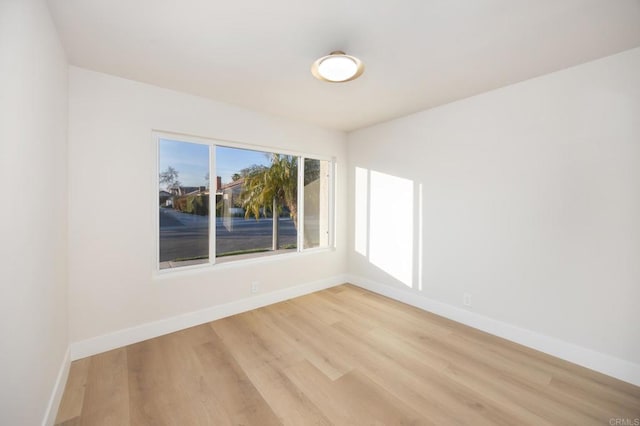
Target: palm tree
x,y
274,186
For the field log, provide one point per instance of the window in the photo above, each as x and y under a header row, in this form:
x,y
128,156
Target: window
x,y
257,199
219,203
316,203
184,203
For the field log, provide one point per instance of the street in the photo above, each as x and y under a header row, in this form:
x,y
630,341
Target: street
x,y
185,236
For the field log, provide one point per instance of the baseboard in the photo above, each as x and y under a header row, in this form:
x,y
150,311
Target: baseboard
x,y
118,339
58,391
603,363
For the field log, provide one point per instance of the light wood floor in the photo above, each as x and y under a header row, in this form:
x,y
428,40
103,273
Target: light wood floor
x,y
340,356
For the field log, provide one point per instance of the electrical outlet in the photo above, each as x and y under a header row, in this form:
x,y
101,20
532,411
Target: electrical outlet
x,y
255,286
466,299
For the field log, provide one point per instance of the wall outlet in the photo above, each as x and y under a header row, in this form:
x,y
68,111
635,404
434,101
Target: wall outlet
x,y
466,299
255,286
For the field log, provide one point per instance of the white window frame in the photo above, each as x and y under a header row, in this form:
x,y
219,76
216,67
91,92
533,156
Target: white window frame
x,y
212,144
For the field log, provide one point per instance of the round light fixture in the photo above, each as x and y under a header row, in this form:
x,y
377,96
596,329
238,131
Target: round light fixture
x,y
337,67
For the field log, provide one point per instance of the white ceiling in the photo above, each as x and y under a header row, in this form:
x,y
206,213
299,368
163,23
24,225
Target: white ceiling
x,y
418,53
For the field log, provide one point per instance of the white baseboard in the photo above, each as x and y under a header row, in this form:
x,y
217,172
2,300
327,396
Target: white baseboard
x,y
603,363
58,391
118,339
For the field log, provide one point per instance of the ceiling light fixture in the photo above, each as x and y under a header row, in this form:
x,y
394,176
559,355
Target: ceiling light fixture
x,y
337,67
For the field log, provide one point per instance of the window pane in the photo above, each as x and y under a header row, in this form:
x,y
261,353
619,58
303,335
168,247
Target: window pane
x,y
184,203
316,203
246,186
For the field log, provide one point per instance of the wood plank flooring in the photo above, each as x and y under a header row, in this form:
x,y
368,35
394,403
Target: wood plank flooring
x,y
342,356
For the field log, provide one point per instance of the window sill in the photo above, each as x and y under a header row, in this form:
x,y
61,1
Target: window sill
x,y
233,262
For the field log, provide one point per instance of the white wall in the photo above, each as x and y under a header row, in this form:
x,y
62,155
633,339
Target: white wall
x,y
531,203
33,216
111,243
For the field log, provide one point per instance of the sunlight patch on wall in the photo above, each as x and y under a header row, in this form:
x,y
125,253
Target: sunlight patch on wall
x,y
361,211
390,225
420,233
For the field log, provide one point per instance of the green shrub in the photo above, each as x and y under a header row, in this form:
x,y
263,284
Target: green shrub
x,y
192,204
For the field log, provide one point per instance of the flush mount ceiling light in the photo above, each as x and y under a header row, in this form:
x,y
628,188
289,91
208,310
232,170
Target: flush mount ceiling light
x,y
337,67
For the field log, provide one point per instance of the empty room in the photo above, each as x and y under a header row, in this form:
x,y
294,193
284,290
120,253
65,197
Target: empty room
x,y
320,213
